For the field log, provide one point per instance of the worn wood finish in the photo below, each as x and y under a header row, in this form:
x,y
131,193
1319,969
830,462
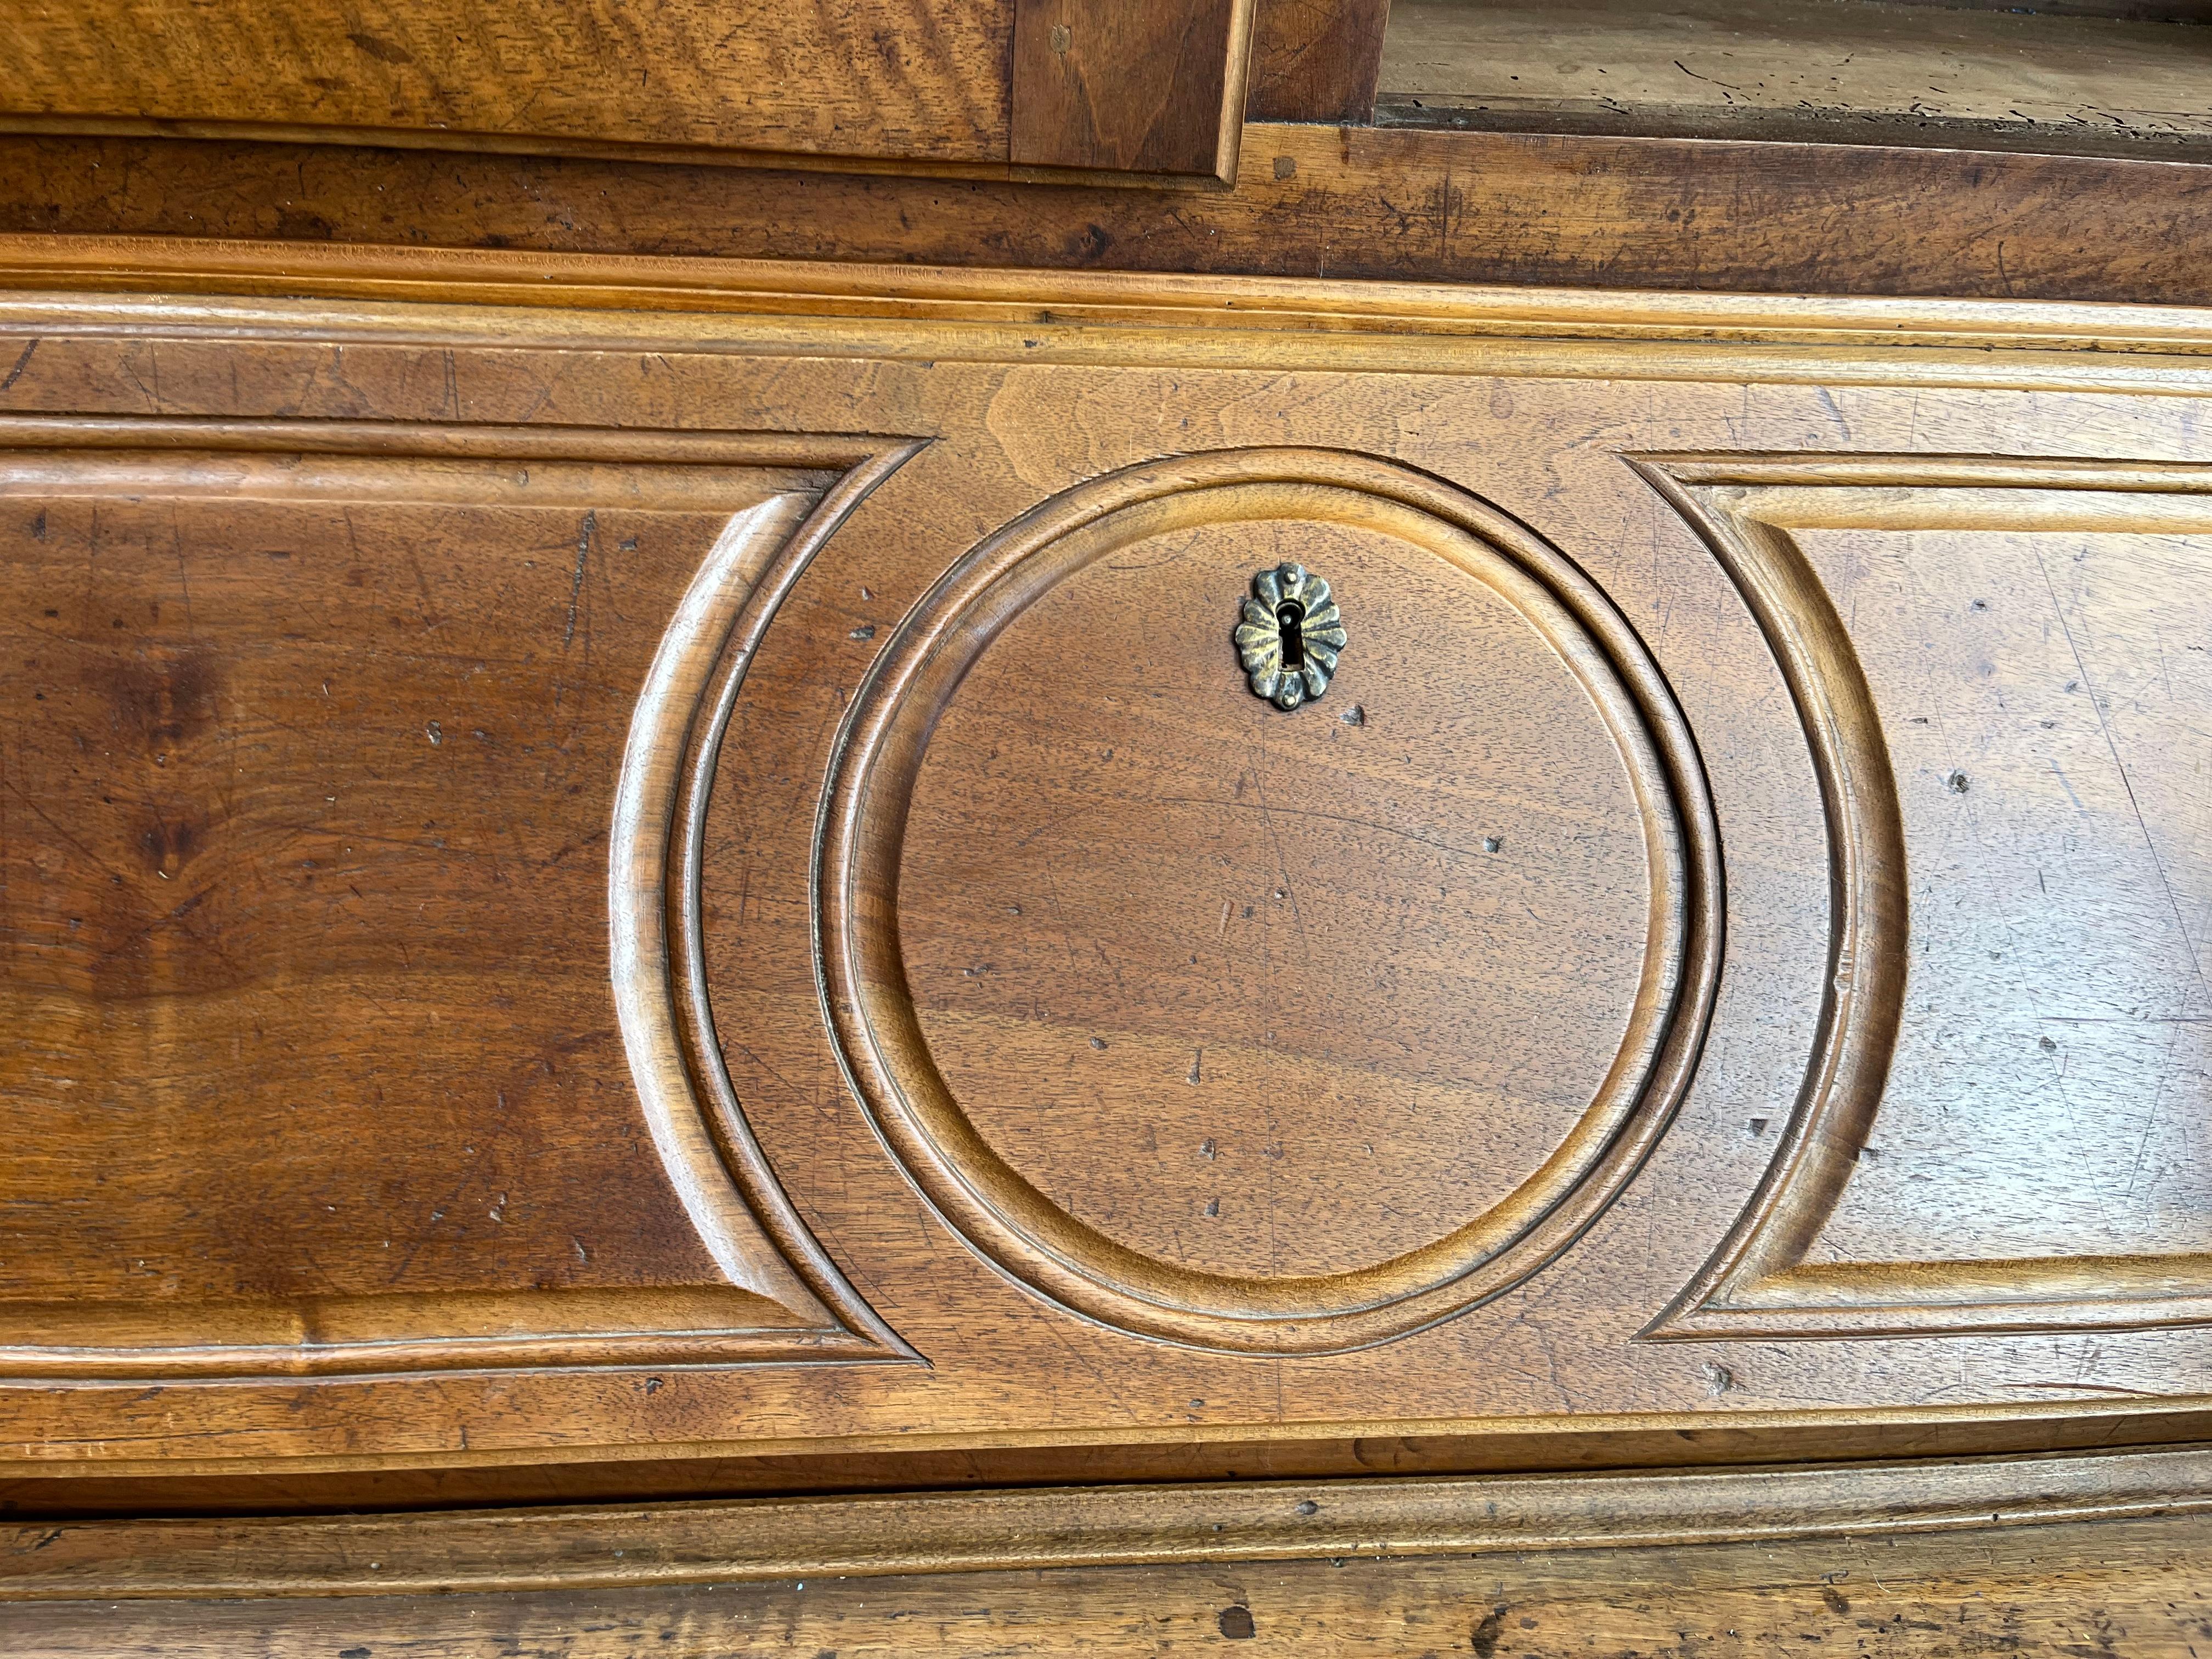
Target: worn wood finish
x,y
1302,1451
1213,321
2132,1587
998,89
841,1537
1157,88
1348,203
924,945
936,806
166,1281
884,79
1316,60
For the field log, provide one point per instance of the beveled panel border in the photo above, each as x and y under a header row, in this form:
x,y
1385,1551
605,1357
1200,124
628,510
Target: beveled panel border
x,y
1758,1283
877,757
782,1300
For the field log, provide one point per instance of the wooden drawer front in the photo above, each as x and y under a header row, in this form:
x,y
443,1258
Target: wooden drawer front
x,y
582,880
980,87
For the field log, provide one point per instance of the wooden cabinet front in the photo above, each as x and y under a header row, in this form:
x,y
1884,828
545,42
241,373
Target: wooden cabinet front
x,y
623,883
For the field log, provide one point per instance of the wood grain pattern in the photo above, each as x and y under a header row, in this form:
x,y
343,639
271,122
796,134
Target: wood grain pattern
x,y
181,758
1351,204
1762,1281
1316,60
1011,397
1191,321
891,943
1152,88
999,1531
903,79
2136,1587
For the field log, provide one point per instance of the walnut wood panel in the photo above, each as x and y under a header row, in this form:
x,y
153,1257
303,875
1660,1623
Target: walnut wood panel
x,y
2133,1586
923,840
1310,201
1044,565
1779,1274
997,90
901,79
1315,60
254,622
1153,87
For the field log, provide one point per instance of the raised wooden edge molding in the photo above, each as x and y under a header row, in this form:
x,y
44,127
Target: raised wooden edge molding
x,y
655,866
1048,313
1758,1283
878,754
782,1300
872,1534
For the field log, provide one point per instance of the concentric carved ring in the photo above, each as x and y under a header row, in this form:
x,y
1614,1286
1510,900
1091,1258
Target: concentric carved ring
x,y
878,759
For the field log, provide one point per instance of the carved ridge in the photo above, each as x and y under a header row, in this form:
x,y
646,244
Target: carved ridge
x,y
1759,1283
654,872
782,1300
878,754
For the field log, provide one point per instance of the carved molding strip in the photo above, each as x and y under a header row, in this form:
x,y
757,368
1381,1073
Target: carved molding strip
x,y
753,1539
466,297
878,757
1760,1283
74,268
782,1300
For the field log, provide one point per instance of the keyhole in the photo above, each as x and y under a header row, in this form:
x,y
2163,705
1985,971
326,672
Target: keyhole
x,y
1290,617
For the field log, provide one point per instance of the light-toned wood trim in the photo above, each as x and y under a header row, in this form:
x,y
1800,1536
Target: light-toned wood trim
x,y
965,1532
1057,302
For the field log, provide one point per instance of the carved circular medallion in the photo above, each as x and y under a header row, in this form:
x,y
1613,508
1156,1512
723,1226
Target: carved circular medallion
x,y
1255,1034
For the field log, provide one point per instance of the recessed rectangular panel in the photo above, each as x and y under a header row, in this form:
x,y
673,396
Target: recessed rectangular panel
x,y
2046,696
311,786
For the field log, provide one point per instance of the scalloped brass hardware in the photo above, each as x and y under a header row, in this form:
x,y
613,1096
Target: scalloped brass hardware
x,y
1289,636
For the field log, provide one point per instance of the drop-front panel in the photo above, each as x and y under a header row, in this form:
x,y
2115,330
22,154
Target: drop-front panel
x,y
586,881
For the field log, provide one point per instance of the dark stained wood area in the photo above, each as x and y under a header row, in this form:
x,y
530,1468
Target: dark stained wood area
x,y
1315,60
911,79
1155,88
1310,201
1104,84
2133,1588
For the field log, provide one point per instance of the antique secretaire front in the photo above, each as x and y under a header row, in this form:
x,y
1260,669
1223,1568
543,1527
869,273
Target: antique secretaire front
x,y
931,829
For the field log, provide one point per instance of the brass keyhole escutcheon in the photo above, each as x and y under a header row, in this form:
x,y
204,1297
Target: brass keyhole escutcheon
x,y
1289,636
